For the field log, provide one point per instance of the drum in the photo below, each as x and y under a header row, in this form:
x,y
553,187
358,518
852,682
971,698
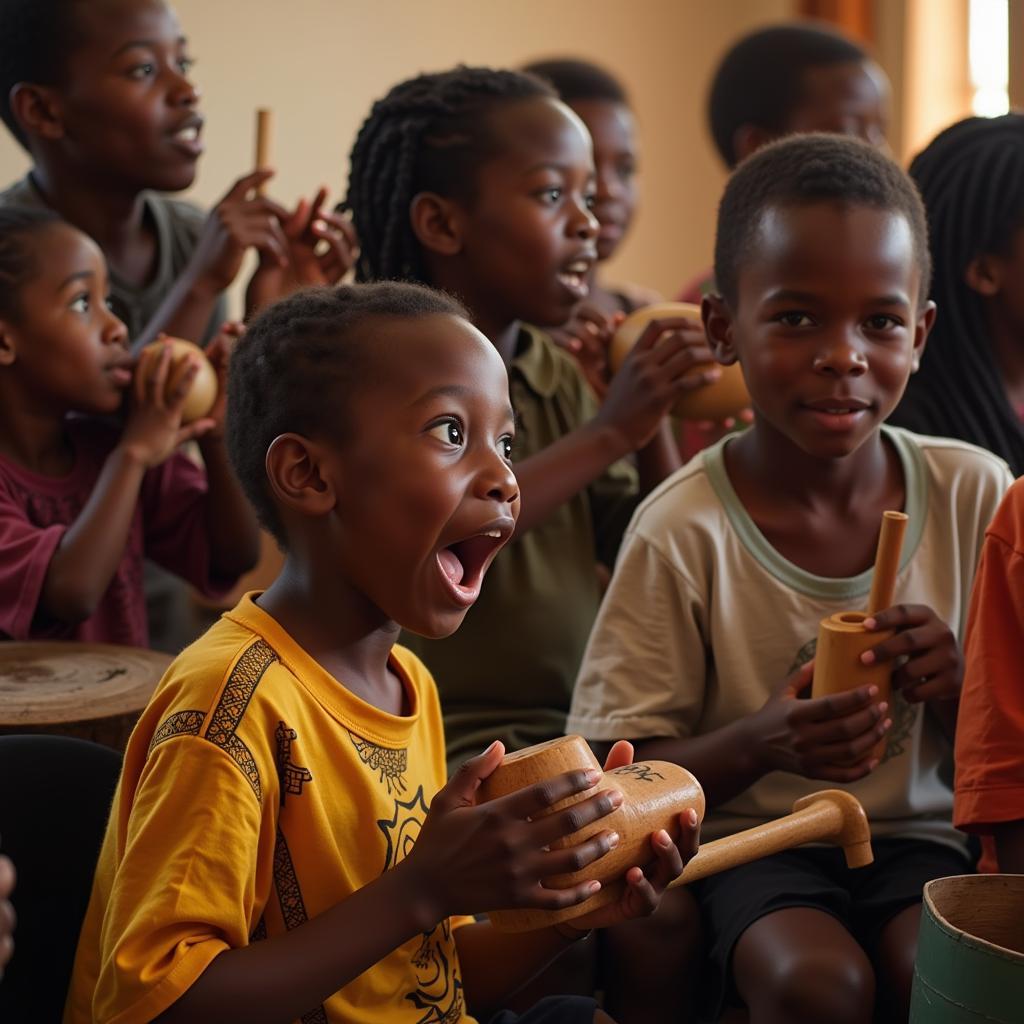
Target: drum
x,y
92,691
970,954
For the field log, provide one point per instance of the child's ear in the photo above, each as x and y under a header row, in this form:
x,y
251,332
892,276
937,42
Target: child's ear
x,y
984,275
36,108
436,223
294,471
922,328
8,349
749,138
717,319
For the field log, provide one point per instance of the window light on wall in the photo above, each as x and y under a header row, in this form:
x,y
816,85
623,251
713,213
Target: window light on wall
x,y
989,56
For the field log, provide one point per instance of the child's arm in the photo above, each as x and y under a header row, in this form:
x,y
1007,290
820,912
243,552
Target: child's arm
x,y
241,220
234,537
829,738
634,408
467,859
92,547
933,671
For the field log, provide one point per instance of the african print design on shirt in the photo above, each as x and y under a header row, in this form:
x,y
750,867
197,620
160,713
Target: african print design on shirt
x,y
181,723
438,993
901,711
291,777
391,762
227,716
293,906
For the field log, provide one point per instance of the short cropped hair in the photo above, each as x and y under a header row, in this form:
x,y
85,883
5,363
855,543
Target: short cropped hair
x,y
579,80
36,39
18,263
803,169
297,366
760,81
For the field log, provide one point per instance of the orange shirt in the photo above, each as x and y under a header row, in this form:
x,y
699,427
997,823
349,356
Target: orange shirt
x,y
990,728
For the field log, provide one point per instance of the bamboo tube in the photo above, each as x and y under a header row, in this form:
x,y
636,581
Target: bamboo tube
x,y
264,140
887,561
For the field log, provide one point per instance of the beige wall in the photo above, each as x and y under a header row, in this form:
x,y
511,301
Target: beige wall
x,y
320,64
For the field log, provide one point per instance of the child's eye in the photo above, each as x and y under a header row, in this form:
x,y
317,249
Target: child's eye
x,y
550,195
882,322
505,446
794,319
589,200
140,71
448,431
186,64
80,304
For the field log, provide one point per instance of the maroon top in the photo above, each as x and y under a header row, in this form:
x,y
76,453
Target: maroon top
x,y
169,526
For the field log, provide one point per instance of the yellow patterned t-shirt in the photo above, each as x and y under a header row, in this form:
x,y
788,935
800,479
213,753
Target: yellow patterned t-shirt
x,y
257,793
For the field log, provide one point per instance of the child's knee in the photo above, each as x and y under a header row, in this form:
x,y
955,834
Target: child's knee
x,y
823,984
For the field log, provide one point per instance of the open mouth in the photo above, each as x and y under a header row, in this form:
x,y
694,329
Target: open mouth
x,y
189,137
573,277
464,563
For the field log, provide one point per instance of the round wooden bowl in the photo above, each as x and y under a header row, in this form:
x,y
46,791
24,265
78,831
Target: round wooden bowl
x,y
726,397
92,691
203,393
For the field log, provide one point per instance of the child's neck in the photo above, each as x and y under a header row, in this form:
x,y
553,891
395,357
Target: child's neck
x,y
114,220
31,436
802,504
339,628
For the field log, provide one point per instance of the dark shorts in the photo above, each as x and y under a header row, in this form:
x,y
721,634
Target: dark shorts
x,y
863,899
553,1010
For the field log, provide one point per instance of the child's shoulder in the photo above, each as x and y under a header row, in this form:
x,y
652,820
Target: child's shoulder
x,y
1008,523
548,370
688,495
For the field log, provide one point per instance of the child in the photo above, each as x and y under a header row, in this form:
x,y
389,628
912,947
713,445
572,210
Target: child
x,y
281,845
601,103
990,726
479,182
788,79
80,502
705,638
971,386
100,96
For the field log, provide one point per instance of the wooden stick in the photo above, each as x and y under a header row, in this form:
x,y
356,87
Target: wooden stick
x,y
264,140
831,815
887,560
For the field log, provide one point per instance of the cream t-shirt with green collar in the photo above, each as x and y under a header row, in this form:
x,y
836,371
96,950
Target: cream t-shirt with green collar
x,y
704,620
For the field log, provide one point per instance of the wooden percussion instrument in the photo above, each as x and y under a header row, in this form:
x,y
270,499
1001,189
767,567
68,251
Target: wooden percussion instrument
x,y
726,397
842,638
264,139
202,394
91,691
655,793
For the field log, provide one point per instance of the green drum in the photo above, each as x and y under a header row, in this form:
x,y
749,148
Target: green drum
x,y
970,955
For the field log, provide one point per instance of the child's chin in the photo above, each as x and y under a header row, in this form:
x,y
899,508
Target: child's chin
x,y
438,627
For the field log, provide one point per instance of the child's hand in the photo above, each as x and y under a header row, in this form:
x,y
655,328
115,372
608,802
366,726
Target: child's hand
x,y
219,353
654,375
473,858
241,220
586,337
644,889
7,917
321,248
932,669
153,428
830,738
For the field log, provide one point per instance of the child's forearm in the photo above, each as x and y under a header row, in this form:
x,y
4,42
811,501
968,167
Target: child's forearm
x,y
726,761
496,964
92,547
283,977
550,478
658,459
232,529
184,313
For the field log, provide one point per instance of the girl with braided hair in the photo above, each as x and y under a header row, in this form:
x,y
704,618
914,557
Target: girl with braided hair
x,y
480,182
971,381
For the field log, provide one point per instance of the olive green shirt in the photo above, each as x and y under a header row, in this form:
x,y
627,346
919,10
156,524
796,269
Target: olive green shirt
x,y
508,672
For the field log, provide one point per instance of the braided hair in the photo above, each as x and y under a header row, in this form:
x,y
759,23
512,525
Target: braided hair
x,y
18,262
428,134
971,178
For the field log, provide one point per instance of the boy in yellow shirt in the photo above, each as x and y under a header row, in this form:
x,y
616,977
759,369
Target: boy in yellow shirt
x,y
282,845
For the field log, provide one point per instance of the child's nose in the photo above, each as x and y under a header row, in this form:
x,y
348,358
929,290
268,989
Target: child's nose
x,y
184,92
498,482
841,355
114,330
584,224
